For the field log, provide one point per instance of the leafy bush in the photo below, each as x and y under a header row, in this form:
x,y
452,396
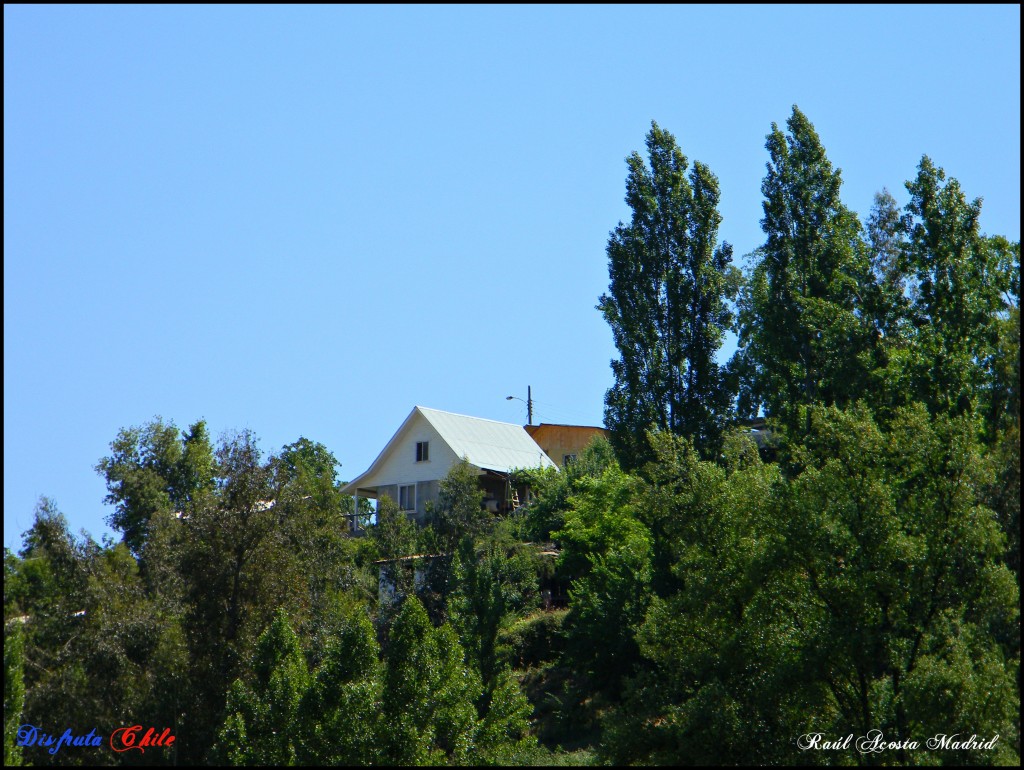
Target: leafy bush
x,y
535,639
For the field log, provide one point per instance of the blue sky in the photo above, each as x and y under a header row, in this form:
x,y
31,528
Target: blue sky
x,y
304,221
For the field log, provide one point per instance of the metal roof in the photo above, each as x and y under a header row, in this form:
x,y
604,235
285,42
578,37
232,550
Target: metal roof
x,y
488,444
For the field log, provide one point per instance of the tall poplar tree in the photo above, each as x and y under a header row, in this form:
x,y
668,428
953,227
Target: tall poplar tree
x,y
667,304
964,289
263,714
801,341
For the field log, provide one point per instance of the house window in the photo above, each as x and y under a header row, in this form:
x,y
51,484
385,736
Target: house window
x,y
422,451
566,459
407,497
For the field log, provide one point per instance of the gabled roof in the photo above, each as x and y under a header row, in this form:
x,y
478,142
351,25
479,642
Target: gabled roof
x,y
486,444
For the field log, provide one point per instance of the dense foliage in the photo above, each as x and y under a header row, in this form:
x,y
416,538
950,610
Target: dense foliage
x,y
851,569
667,303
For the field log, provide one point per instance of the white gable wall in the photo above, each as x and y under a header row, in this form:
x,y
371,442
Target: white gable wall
x,y
400,466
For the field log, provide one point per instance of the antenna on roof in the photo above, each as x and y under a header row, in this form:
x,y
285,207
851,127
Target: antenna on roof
x,y
528,402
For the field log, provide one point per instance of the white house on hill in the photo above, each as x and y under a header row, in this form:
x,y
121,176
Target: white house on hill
x,y
430,442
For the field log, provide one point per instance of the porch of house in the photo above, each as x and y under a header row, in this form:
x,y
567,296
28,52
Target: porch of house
x,y
501,497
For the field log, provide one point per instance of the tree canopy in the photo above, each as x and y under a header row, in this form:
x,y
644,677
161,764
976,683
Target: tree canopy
x,y
667,303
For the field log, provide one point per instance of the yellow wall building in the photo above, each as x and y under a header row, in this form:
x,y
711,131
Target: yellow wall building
x,y
562,443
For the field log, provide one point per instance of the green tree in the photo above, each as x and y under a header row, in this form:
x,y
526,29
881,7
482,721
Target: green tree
x,y
490,589
14,690
429,693
315,522
552,488
459,511
691,699
801,337
394,533
155,468
48,586
607,549
865,592
99,648
281,715
901,569
262,719
239,567
130,639
503,734
886,236
884,296
339,717
1002,402
963,280
1004,493
311,470
667,304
